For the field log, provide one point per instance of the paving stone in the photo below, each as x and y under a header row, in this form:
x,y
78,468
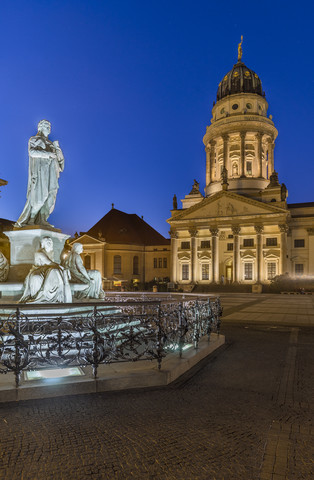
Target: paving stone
x,y
222,423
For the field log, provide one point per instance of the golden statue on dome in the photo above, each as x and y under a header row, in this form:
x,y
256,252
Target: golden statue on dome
x,y
240,50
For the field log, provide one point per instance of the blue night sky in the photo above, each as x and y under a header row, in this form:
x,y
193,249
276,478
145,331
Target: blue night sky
x,y
128,87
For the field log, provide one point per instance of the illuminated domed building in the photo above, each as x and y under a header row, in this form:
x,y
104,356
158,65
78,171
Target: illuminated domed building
x,y
242,230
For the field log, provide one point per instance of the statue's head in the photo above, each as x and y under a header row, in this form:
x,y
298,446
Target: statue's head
x,y
47,244
44,127
77,248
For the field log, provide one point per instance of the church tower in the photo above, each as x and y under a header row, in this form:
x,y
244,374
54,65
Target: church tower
x,y
241,137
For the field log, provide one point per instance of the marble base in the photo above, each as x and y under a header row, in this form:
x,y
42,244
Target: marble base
x,y
24,242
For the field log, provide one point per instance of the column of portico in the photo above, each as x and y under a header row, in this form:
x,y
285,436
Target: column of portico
x,y
271,147
283,247
193,233
259,251
236,231
174,254
242,154
212,159
208,165
215,254
310,232
225,149
259,137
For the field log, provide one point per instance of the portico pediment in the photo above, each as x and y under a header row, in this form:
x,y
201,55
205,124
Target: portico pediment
x,y
88,240
224,204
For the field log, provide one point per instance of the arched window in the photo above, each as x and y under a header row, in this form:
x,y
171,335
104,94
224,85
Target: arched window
x,y
87,262
135,265
117,264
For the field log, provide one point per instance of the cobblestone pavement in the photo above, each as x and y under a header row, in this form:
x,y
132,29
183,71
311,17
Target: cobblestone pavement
x,y
244,415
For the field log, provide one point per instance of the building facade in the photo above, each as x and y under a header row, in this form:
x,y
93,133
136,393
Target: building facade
x,y
126,250
242,230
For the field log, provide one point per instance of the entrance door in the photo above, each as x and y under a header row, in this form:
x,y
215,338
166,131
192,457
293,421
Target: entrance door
x,y
229,273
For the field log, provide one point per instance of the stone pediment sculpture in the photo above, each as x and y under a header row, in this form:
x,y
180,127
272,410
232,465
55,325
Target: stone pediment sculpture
x,y
47,281
46,161
227,204
79,274
4,268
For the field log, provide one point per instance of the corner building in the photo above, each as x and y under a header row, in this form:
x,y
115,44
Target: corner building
x,y
242,230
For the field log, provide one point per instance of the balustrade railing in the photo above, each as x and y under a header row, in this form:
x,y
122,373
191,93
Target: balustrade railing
x,y
41,336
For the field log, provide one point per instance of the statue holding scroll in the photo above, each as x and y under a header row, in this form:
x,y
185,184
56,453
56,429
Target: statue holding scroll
x,y
46,161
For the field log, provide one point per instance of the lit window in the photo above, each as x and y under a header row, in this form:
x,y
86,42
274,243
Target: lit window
x,y
248,271
271,242
185,271
159,262
117,264
185,245
248,242
205,271
299,243
135,265
299,269
271,270
205,244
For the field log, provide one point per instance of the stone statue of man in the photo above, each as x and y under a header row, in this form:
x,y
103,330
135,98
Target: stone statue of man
x,y
46,161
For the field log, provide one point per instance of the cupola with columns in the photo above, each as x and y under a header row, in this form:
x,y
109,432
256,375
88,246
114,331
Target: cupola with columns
x,y
241,136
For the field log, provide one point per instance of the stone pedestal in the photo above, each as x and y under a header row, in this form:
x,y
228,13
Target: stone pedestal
x,y
24,242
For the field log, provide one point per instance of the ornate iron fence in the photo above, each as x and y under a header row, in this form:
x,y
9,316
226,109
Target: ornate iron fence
x,y
32,337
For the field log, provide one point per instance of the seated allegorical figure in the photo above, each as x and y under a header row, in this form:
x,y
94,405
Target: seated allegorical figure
x,y
47,281
79,274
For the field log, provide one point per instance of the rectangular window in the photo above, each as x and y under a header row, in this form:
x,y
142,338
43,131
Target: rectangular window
x,y
249,168
117,264
205,271
165,262
185,245
299,269
185,271
159,262
248,242
271,242
271,270
248,271
299,243
205,244
230,236
155,262
229,247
